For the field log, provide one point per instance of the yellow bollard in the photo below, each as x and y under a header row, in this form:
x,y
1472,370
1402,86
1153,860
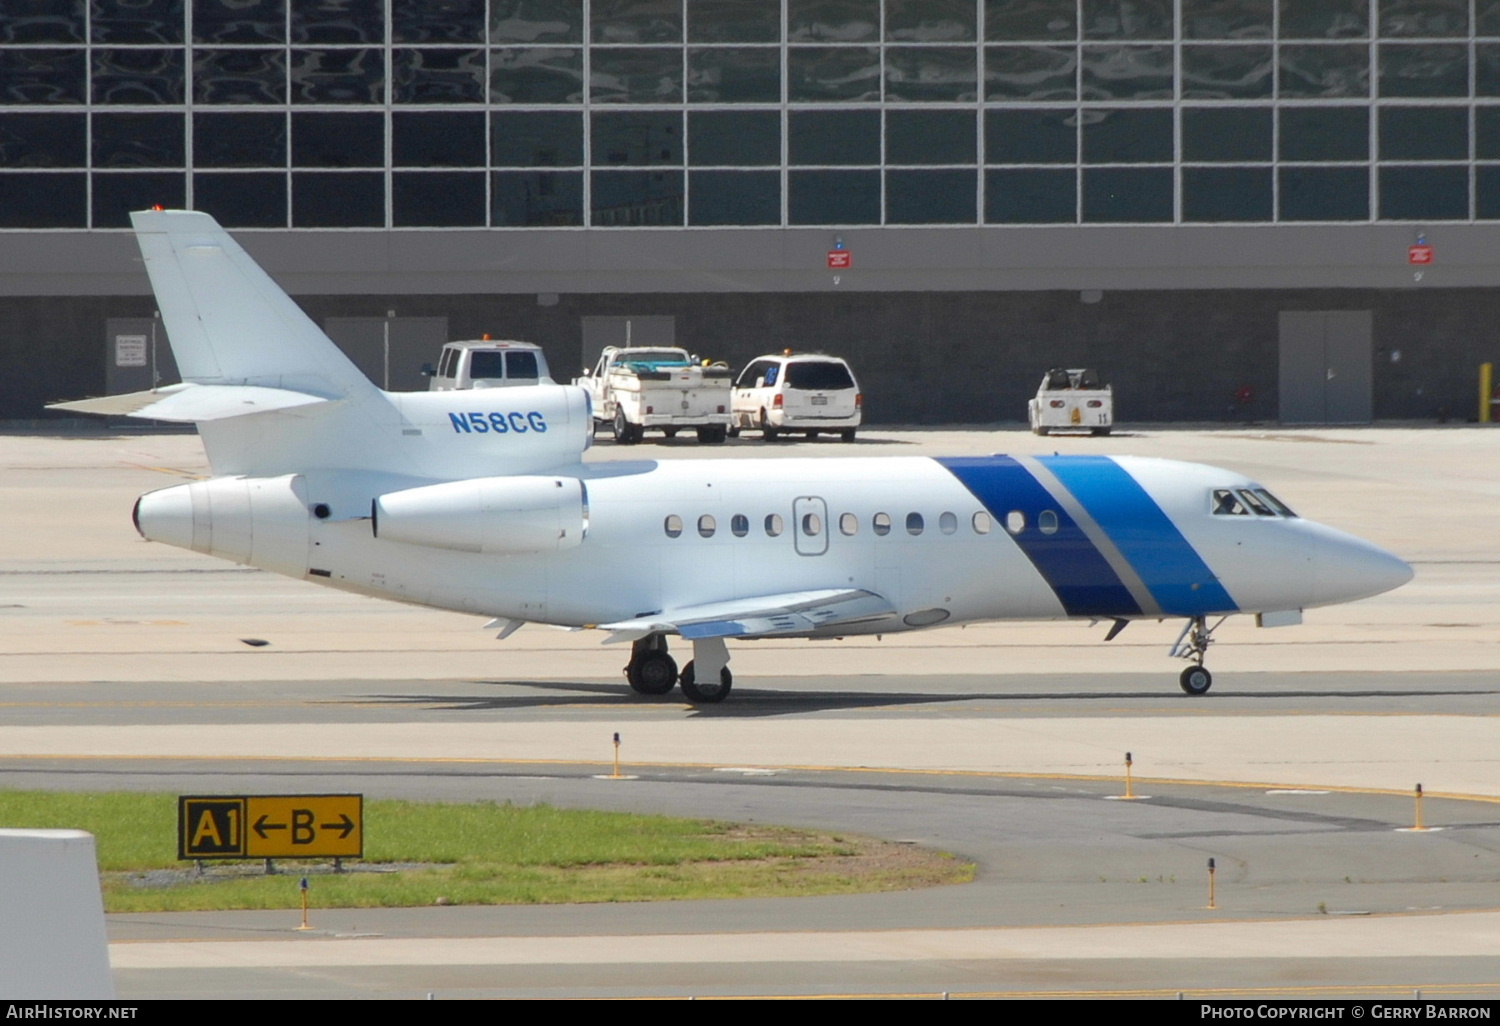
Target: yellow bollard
x,y
1419,825
1128,792
616,774
1486,382
1211,903
303,886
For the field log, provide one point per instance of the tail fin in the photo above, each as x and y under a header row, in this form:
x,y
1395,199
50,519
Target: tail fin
x,y
227,321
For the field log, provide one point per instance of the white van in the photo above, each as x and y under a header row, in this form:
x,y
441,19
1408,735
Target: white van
x,y
797,392
488,364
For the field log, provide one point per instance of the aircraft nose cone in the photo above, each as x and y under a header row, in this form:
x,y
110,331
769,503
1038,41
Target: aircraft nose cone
x,y
1352,568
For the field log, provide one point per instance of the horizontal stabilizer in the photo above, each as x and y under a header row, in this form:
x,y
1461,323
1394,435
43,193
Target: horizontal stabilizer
x,y
797,612
189,403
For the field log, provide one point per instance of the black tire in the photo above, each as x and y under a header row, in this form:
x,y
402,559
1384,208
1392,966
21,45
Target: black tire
x,y
712,434
1099,431
812,435
1039,430
625,432
1196,680
701,694
733,432
654,673
767,432
670,432
848,434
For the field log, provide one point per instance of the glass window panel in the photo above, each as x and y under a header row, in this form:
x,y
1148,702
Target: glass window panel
x,y
1227,72
637,21
339,200
536,21
1226,194
931,73
438,139
734,197
42,140
1324,193
536,139
1325,133
1436,69
338,76
734,137
1007,20
1030,137
147,77
1126,136
1031,196
238,199
636,75
833,21
637,137
1487,17
43,21
536,199
733,21
1127,19
437,199
1127,194
820,74
734,75
1487,69
1127,73
1324,71
931,197
533,75
931,21
1487,133
1424,133
139,21
437,76
239,21
41,76
239,76
1030,73
1424,193
635,199
834,137
443,21
1487,193
330,139
1326,19
1227,19
338,21
239,140
930,137
116,195
1226,134
1427,19
833,197
138,140
47,199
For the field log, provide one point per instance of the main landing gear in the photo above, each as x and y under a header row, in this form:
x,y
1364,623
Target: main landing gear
x,y
651,671
1193,644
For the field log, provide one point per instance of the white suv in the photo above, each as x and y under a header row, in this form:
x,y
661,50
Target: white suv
x,y
806,392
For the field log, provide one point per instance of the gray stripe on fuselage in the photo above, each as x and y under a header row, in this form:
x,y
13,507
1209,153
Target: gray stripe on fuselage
x,y
1091,529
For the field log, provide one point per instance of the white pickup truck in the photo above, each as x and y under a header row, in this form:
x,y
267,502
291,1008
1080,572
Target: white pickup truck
x,y
488,364
658,388
1072,400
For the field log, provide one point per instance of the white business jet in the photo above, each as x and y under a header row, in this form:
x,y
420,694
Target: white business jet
x,y
479,502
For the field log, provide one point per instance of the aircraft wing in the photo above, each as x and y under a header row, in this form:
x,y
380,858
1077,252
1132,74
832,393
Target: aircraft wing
x,y
189,403
794,612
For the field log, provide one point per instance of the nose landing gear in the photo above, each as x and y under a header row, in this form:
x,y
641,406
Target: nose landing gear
x,y
1193,644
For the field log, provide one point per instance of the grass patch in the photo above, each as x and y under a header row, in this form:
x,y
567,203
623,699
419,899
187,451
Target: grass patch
x,y
483,854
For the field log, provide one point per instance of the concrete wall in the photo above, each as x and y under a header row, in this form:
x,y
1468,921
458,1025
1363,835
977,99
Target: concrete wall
x,y
52,940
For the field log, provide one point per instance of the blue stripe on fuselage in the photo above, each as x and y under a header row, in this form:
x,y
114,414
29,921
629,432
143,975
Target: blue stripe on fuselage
x,y
1083,580
1168,565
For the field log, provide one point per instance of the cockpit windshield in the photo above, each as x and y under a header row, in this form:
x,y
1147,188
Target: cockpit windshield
x,y
1244,502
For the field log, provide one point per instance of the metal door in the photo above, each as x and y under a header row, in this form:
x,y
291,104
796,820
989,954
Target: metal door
x,y
136,355
810,525
390,350
1325,367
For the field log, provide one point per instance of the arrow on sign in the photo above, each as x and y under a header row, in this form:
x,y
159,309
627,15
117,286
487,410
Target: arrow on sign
x,y
261,826
345,826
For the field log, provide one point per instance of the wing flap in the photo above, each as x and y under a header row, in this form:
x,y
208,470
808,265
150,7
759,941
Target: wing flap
x,y
189,403
797,612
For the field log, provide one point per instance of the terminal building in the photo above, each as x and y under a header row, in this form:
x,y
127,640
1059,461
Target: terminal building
x,y
1235,210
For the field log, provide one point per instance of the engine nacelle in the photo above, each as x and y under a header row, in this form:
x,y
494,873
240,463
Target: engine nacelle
x,y
260,521
490,515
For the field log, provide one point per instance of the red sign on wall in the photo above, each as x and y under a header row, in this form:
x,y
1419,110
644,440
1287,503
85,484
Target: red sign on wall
x,y
1419,254
839,259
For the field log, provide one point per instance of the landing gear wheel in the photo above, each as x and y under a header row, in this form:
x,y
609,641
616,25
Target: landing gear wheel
x,y
1196,680
625,432
652,673
767,432
704,694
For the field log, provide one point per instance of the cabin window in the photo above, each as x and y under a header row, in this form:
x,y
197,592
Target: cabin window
x,y
1015,521
981,522
914,523
849,524
1046,521
740,525
707,525
948,523
773,524
673,526
880,523
812,525
1227,504
1253,501
1275,503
